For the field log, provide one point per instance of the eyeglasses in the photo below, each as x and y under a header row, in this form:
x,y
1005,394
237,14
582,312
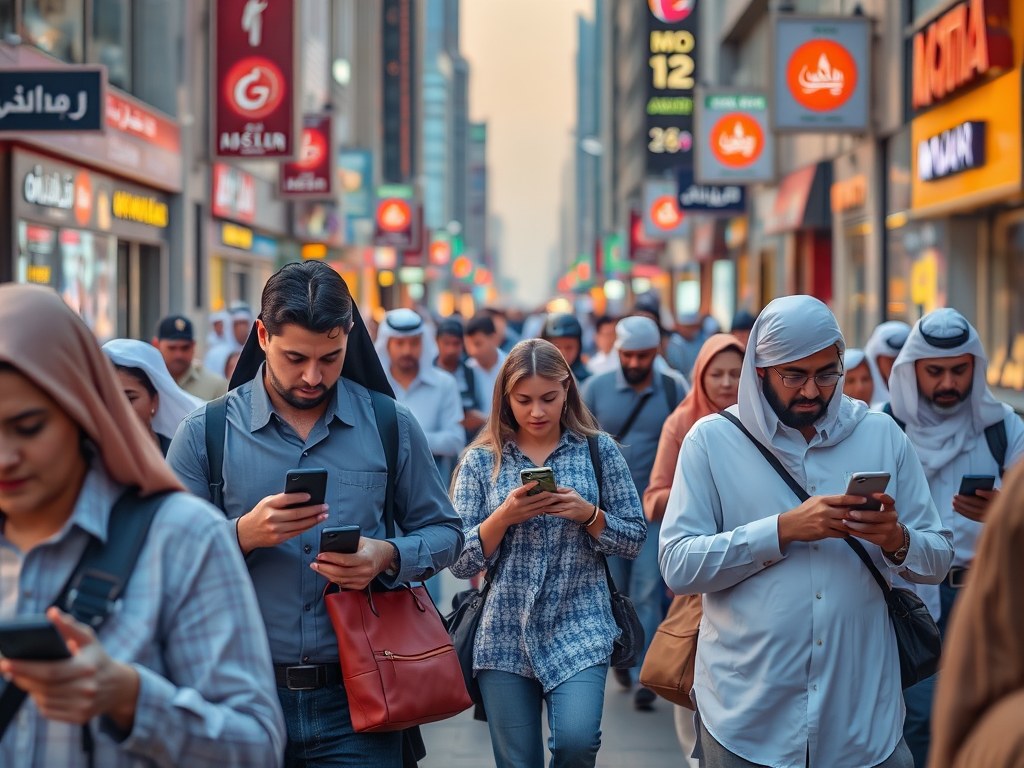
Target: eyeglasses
x,y
821,380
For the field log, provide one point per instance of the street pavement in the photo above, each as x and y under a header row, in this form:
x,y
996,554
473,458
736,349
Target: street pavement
x,y
630,739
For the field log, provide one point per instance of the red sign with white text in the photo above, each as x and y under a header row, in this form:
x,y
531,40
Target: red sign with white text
x,y
311,176
255,88
234,194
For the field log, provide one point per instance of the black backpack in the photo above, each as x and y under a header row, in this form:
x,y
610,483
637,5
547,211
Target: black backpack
x,y
995,436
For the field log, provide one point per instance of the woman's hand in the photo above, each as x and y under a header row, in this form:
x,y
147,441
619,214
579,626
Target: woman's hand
x,y
571,506
518,507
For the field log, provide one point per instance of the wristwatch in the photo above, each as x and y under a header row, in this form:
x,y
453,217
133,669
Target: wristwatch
x,y
395,565
900,554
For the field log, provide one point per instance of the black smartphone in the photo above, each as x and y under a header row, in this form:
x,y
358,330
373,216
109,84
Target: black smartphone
x,y
866,484
343,539
971,484
32,638
311,481
545,478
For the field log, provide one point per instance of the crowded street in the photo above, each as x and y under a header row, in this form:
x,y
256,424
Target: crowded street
x,y
480,384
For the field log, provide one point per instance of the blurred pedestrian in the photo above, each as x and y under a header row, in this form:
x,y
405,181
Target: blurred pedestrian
x,y
308,371
802,667
742,324
606,358
179,673
940,394
858,382
881,352
485,357
216,358
451,357
547,628
176,341
686,342
632,404
157,401
507,338
218,328
565,332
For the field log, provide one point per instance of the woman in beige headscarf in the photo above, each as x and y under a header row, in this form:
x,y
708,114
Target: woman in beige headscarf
x,y
978,721
180,672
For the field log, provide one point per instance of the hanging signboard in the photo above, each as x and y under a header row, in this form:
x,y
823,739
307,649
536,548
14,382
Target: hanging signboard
x,y
312,175
254,93
736,144
398,97
66,99
821,74
663,219
671,51
709,199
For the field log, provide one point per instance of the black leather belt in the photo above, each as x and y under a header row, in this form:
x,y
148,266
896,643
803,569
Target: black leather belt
x,y
957,577
307,677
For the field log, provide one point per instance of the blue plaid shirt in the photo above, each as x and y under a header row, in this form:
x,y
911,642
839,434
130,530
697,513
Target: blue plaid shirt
x,y
188,623
548,615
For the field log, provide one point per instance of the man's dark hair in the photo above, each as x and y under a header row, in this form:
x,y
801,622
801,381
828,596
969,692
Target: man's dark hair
x,y
481,323
494,312
308,294
604,320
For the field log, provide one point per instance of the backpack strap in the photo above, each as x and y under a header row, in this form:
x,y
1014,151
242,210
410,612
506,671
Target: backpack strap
x,y
995,435
100,577
470,375
669,385
887,410
385,413
216,431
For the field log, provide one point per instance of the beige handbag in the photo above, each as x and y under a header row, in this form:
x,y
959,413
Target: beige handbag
x,y
668,666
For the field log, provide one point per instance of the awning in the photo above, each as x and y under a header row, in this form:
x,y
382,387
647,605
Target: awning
x,y
802,201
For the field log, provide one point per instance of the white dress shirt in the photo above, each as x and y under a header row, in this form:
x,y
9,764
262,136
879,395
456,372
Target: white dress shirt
x,y
435,401
485,381
604,362
796,653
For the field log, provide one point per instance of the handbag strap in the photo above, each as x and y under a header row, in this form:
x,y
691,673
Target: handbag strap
x,y
801,494
632,417
595,460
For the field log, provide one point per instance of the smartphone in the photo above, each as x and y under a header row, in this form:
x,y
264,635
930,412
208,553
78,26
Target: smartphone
x,y
32,638
311,481
865,484
545,478
971,484
343,540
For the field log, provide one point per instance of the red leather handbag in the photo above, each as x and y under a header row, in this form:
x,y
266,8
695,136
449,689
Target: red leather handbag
x,y
398,664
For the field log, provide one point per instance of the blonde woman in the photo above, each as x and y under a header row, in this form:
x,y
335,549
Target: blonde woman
x,y
547,629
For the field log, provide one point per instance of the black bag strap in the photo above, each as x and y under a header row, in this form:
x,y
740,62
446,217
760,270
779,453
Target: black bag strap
x,y
801,494
639,406
595,460
100,577
470,375
995,436
887,410
216,431
671,394
385,413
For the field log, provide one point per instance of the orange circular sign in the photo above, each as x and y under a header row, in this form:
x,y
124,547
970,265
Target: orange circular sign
x,y
394,215
665,213
821,75
83,199
737,140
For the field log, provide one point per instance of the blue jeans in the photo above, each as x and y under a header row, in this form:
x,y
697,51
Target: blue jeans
x,y
641,581
513,705
917,728
320,733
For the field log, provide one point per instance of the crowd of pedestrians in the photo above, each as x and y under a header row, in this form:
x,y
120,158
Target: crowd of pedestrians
x,y
559,464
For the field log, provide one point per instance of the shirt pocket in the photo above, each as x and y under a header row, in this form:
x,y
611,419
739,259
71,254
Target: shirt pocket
x,y
361,498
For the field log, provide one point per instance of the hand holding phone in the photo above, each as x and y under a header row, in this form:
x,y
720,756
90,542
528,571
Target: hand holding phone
x,y
32,638
342,540
867,484
311,481
543,476
971,484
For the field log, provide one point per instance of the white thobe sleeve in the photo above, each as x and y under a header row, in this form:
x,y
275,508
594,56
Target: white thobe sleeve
x,y
450,437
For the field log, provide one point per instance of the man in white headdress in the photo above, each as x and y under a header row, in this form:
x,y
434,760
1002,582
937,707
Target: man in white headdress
x,y
940,394
797,663
218,331
241,324
881,352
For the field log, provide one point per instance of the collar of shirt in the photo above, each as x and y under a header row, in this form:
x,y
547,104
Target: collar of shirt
x,y
339,406
515,453
190,375
472,363
424,378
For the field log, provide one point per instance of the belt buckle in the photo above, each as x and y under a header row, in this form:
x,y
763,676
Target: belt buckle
x,y
957,577
302,668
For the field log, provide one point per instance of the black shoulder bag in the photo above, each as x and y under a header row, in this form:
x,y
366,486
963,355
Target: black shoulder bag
x,y
917,636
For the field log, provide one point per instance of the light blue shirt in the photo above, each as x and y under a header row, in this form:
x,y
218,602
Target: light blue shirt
x,y
433,398
796,652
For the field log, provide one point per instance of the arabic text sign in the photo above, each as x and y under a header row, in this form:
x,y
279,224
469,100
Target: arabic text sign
x,y
736,142
255,66
821,73
66,99
709,199
312,175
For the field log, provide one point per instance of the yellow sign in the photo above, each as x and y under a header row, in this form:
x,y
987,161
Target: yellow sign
x,y
37,273
236,237
998,105
924,282
144,210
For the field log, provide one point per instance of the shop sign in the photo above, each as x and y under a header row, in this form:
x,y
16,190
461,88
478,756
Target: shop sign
x,y
663,219
642,249
312,175
958,48
50,190
849,193
397,219
255,65
726,199
355,170
234,194
139,208
821,73
398,60
235,236
672,54
737,143
66,99
953,151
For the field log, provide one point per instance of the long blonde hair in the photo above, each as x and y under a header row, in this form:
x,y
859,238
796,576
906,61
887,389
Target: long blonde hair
x,y
534,357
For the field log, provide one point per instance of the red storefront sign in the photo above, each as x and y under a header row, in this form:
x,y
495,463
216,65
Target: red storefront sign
x,y
255,66
312,175
234,194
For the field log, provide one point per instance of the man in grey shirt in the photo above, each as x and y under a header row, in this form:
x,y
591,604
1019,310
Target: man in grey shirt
x,y
309,407
631,404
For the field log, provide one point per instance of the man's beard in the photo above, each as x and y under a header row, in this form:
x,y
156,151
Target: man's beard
x,y
786,414
301,403
948,410
407,364
636,375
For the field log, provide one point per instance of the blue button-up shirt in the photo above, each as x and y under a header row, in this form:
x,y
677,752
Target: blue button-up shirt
x,y
187,623
261,448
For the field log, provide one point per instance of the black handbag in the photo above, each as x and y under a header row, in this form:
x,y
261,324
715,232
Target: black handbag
x,y
917,636
462,625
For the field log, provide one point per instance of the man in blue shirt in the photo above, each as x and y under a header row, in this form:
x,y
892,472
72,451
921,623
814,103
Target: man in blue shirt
x,y
309,407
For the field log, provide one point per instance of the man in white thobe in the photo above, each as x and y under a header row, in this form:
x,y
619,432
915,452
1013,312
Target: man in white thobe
x,y
881,352
940,393
797,663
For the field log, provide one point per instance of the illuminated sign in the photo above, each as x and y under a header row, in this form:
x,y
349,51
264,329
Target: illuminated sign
x,y
953,151
958,48
736,141
51,190
144,210
234,194
671,42
235,236
849,193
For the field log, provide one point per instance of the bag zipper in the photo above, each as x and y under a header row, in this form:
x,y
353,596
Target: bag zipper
x,y
393,657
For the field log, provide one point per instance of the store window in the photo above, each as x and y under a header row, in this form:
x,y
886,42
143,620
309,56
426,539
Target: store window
x,y
1006,340
6,17
56,27
723,291
855,245
110,25
917,271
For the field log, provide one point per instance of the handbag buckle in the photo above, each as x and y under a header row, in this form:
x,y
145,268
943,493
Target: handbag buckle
x,y
305,685
957,577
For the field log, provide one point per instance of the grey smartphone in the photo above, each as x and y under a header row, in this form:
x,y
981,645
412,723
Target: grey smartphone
x,y
32,638
544,476
971,484
311,481
865,484
343,539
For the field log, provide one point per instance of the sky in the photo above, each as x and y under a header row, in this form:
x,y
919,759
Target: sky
x,y
522,56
